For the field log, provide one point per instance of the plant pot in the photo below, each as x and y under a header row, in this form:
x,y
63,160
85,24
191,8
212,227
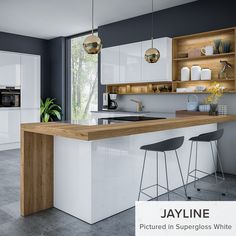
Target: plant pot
x,y
213,109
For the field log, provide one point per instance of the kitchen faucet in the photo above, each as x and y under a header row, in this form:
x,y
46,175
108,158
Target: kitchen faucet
x,y
139,106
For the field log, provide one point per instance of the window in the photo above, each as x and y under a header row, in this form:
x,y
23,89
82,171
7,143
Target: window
x,y
84,80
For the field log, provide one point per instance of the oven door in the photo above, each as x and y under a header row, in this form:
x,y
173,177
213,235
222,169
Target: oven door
x,y
7,100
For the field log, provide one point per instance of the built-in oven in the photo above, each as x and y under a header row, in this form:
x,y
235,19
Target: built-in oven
x,y
9,97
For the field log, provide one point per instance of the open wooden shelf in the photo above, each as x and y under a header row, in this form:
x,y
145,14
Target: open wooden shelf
x,y
182,45
221,55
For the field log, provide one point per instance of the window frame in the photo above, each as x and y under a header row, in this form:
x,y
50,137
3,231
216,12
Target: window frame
x,y
68,71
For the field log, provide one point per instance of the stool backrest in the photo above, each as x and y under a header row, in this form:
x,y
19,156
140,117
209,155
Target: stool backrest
x,y
212,136
166,145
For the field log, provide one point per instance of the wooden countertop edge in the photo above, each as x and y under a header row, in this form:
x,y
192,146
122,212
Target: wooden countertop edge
x,y
96,132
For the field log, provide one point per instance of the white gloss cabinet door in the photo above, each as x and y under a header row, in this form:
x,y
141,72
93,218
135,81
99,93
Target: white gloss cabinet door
x,y
30,116
9,126
30,81
110,65
9,69
130,63
161,70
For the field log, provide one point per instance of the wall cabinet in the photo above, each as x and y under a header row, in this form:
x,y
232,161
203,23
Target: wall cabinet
x,y
9,69
162,70
125,64
30,81
110,70
9,126
130,63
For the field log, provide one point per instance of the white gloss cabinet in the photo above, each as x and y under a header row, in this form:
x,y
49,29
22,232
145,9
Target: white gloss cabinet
x,y
162,70
130,63
110,70
126,63
30,82
30,115
9,126
9,69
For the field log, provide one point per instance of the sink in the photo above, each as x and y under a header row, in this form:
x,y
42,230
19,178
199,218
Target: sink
x,y
133,118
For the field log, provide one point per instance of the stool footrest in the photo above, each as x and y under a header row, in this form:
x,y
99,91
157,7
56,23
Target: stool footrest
x,y
170,191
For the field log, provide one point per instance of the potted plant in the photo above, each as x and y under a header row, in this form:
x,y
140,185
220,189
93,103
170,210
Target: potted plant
x,y
216,91
49,111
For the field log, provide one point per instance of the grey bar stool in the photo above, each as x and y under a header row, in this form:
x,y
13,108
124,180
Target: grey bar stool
x,y
211,138
164,146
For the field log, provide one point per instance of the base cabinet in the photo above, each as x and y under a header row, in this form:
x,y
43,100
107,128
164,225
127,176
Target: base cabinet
x,y
9,126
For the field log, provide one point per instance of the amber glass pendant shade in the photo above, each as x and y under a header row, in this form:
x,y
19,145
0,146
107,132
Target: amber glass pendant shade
x,y
152,55
92,44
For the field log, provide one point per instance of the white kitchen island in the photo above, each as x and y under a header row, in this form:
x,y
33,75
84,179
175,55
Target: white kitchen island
x,y
92,170
94,180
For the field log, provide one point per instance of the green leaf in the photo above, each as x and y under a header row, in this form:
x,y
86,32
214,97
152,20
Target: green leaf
x,y
46,117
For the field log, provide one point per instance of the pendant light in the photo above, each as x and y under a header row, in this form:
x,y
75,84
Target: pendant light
x,y
152,55
92,44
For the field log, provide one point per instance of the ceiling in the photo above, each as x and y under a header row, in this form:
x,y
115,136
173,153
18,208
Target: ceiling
x,y
53,18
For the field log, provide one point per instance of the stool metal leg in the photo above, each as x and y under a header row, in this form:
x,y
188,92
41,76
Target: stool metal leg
x,y
167,182
177,157
189,163
214,162
219,160
195,175
157,172
141,181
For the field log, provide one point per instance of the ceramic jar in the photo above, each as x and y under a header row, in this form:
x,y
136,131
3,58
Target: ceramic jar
x,y
206,74
195,73
185,74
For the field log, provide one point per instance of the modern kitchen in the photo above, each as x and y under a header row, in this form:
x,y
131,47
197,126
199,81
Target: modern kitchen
x,y
107,104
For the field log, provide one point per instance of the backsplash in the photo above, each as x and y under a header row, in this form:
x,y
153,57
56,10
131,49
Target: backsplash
x,y
169,103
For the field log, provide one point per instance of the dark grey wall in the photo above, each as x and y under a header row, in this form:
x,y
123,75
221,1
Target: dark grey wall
x,y
22,44
57,67
195,17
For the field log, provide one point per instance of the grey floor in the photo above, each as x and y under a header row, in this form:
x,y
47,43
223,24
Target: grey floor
x,y
54,222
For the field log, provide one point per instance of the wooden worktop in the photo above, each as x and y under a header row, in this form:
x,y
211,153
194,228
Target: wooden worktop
x,y
95,132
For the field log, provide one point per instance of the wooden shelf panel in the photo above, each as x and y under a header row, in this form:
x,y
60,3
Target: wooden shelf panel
x,y
205,57
205,81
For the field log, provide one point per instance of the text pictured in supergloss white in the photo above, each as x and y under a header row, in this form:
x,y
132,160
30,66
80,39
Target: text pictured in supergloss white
x,y
180,218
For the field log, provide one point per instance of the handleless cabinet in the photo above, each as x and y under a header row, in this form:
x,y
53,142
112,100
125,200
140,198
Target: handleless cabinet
x,y
30,81
9,69
110,70
162,69
130,63
30,115
9,126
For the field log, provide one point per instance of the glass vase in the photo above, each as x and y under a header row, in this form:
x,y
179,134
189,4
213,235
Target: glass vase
x,y
213,109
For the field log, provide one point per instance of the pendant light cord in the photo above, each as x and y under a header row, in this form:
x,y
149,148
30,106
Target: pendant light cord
x,y
92,15
152,23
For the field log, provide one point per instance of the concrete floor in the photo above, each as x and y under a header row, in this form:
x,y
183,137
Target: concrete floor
x,y
54,222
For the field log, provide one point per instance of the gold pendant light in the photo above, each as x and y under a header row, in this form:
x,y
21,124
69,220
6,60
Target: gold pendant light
x,y
92,44
152,55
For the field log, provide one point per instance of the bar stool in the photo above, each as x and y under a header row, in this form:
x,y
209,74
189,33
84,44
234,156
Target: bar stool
x,y
211,138
164,146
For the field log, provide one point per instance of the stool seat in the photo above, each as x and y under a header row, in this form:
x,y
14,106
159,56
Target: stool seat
x,y
208,137
166,145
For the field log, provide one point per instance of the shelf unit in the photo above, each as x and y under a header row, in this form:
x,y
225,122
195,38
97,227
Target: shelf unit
x,y
182,45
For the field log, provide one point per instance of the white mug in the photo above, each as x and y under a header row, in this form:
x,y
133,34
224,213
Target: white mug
x,y
208,50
